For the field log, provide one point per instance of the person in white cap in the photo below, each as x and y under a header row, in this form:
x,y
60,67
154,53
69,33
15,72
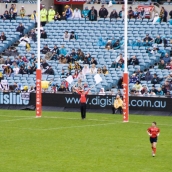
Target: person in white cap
x,y
51,14
43,15
22,12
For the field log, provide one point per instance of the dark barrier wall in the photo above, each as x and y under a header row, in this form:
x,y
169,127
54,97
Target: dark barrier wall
x,y
105,102
93,101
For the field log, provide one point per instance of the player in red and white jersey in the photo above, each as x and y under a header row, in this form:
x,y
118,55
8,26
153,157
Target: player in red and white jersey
x,y
153,132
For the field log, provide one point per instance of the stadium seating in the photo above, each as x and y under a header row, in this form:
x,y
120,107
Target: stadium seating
x,y
88,34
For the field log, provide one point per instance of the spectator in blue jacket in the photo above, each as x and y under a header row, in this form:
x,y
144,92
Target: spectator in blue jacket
x,y
159,92
85,12
133,78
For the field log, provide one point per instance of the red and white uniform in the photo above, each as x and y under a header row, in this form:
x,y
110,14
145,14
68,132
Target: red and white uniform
x,y
154,131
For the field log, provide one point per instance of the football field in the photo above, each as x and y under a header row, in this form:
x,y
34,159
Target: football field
x,y
62,142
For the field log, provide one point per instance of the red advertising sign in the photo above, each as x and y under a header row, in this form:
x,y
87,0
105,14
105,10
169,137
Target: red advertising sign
x,y
147,8
65,2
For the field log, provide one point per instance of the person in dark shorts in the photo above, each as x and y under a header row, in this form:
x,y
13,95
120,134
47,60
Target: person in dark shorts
x,y
153,132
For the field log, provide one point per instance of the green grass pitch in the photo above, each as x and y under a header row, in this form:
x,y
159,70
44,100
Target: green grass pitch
x,y
62,142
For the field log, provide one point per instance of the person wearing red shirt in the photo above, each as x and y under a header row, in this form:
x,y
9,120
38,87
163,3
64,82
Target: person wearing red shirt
x,y
83,100
153,132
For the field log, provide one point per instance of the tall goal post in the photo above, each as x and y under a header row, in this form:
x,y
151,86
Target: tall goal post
x,y
38,71
125,75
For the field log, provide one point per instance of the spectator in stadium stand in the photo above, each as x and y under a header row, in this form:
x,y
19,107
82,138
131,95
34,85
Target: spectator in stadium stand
x,y
169,66
155,79
166,59
163,15
43,15
164,89
73,36
116,45
63,74
81,76
24,40
93,69
88,57
133,78
2,61
70,59
114,64
103,12
99,71
85,12
68,12
63,50
56,50
75,75
137,86
51,14
136,13
44,35
86,61
80,55
62,88
159,92
113,14
62,60
148,76
118,105
11,10
20,29
57,17
164,41
142,14
5,16
32,35
14,11
102,92
169,78
133,61
33,58
77,66
120,83
170,14
130,13
44,64
8,61
31,67
104,70
122,13
92,14
147,41
161,65
77,14
45,49
93,61
63,17
85,69
22,12
2,37
158,40
108,45
34,17
49,71
66,36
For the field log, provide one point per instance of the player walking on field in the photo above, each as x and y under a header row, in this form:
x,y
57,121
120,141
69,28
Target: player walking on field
x,y
153,132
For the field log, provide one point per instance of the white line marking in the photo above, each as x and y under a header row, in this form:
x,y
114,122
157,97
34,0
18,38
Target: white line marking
x,y
16,119
88,119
